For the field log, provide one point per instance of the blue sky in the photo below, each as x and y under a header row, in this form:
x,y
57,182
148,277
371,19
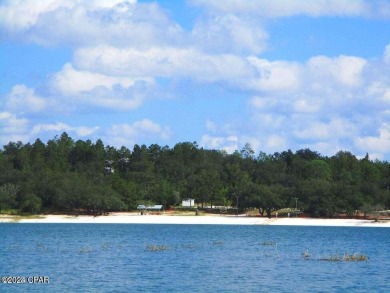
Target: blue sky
x,y
276,74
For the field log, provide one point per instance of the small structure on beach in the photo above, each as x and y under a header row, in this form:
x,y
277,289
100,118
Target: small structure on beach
x,y
154,208
188,202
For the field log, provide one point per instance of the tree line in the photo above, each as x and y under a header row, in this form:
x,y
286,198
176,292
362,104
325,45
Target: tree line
x,y
71,176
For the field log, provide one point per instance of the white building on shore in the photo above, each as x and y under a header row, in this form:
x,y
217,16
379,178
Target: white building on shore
x,y
188,202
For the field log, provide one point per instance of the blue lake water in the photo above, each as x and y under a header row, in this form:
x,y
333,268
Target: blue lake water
x,y
193,258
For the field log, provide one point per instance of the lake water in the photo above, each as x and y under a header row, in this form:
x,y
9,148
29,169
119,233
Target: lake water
x,y
193,258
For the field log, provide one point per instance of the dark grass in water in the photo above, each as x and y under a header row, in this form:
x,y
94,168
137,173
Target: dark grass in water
x,y
194,258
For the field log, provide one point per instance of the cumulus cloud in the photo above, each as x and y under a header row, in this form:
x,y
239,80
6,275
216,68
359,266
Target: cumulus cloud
x,y
335,129
228,144
229,33
375,144
70,91
244,72
162,62
307,105
285,8
24,13
275,76
18,128
70,81
386,55
123,49
330,102
344,70
137,132
84,89
22,99
13,128
232,143
275,142
59,127
87,22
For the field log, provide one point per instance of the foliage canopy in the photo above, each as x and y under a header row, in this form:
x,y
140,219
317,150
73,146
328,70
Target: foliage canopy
x,y
72,176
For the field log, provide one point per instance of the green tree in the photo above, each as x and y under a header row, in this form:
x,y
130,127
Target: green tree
x,y
8,194
58,151
319,169
269,198
31,203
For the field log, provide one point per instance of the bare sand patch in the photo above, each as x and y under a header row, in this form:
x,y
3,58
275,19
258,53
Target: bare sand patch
x,y
136,218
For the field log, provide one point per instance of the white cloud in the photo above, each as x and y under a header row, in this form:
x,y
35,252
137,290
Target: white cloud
x,y
228,144
375,144
315,131
5,115
261,102
229,33
56,127
321,76
344,70
22,99
23,14
84,131
12,124
306,105
232,143
162,62
269,122
211,126
70,91
386,55
250,73
255,143
335,129
276,142
123,49
43,129
275,76
12,128
138,132
328,148
90,89
285,8
17,15
70,81
87,22
111,100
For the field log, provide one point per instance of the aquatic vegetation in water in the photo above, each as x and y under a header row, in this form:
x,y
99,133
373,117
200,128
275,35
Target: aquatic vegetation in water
x,y
272,251
306,254
85,250
106,246
332,258
157,247
217,242
268,243
188,245
355,257
42,247
351,257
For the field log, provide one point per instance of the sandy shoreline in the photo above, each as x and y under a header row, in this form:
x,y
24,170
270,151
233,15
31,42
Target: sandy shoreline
x,y
133,218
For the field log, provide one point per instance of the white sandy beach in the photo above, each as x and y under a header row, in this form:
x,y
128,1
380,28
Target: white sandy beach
x,y
133,218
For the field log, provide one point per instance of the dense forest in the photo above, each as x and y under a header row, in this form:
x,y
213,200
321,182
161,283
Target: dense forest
x,y
70,176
